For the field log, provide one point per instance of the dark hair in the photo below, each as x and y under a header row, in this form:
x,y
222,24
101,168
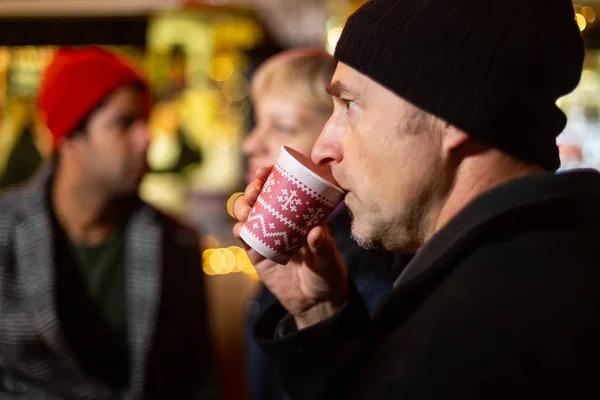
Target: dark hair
x,y
83,125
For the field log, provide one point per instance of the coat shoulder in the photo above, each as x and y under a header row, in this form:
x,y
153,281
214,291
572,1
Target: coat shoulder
x,y
12,200
514,306
13,206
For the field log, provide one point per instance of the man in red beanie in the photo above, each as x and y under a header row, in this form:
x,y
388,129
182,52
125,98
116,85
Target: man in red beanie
x,y
100,295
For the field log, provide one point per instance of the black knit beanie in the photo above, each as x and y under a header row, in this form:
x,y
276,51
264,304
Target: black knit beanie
x,y
493,68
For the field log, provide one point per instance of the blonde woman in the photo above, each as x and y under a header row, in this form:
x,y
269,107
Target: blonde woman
x,y
291,107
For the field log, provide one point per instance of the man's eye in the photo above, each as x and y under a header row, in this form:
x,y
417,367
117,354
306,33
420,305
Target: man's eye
x,y
348,103
125,122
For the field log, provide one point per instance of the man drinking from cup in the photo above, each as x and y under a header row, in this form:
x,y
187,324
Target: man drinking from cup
x,y
444,138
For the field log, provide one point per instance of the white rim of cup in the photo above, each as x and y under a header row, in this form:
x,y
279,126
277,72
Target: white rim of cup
x,y
310,171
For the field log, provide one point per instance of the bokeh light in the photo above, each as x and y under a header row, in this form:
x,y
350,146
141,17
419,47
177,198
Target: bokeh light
x,y
581,22
224,261
206,262
589,13
333,36
236,88
221,69
217,261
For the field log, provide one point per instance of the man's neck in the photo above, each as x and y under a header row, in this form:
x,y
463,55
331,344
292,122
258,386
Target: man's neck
x,y
86,215
475,176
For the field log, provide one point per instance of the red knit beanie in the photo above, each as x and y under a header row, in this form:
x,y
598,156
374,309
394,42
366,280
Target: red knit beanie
x,y
76,81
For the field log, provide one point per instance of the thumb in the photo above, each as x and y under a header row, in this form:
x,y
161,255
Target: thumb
x,y
320,241
322,248
326,260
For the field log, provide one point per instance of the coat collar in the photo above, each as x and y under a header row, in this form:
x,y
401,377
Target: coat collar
x,y
144,277
34,249
432,262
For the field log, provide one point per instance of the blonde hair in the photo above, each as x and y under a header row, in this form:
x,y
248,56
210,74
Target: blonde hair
x,y
303,73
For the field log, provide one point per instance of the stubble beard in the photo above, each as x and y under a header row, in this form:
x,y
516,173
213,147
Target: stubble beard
x,y
407,229
400,236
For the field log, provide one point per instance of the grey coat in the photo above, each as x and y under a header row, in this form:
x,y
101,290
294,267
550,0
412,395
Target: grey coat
x,y
170,355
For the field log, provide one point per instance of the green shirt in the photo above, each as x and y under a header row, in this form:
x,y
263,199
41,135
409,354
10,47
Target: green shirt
x,y
102,269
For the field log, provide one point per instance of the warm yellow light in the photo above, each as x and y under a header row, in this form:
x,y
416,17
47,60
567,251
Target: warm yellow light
x,y
251,272
206,255
236,252
206,267
589,13
333,37
227,261
581,22
249,269
217,261
236,88
242,260
230,261
221,69
235,249
208,270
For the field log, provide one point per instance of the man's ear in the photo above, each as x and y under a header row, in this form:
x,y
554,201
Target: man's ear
x,y
66,144
452,138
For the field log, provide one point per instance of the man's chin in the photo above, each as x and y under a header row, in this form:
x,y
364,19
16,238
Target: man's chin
x,y
362,240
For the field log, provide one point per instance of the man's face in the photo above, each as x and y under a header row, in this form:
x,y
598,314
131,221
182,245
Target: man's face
x,y
387,155
112,152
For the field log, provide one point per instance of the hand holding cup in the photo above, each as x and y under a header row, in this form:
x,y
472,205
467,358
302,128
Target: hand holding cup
x,y
280,222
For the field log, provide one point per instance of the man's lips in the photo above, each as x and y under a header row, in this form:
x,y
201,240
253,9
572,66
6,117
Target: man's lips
x,y
339,184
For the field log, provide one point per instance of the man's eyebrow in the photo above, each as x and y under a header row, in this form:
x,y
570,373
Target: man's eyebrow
x,y
337,89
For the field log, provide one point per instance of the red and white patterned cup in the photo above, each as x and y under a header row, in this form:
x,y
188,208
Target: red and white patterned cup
x,y
296,197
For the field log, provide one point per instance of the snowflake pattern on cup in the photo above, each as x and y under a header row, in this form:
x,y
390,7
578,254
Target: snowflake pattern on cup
x,y
286,210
